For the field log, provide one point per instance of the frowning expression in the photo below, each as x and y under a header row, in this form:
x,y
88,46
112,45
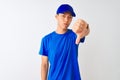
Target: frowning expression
x,y
64,19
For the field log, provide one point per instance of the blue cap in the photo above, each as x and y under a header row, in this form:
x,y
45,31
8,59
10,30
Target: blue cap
x,y
65,8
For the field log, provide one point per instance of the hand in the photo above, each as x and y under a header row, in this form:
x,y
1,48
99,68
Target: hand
x,y
81,29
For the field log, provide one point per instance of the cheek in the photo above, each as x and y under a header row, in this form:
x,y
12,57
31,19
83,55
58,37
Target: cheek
x,y
69,22
59,21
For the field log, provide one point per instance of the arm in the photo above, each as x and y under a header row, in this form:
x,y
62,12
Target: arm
x,y
44,67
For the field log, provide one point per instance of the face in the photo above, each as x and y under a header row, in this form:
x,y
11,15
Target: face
x,y
64,20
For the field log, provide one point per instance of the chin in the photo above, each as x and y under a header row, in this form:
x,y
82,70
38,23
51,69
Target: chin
x,y
65,28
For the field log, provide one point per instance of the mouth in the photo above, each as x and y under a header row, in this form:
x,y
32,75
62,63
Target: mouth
x,y
65,24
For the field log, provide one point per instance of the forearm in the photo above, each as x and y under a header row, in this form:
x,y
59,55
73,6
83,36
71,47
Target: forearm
x,y
44,71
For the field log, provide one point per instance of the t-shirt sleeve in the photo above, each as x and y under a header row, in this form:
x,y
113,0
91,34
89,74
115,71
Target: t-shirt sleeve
x,y
82,40
43,48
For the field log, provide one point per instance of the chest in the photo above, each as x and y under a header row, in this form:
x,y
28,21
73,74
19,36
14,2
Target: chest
x,y
60,47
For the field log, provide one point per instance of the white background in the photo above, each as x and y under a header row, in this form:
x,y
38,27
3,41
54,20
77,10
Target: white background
x,y
24,22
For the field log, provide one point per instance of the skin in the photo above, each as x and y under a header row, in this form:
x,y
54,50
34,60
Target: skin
x,y
44,67
63,22
81,28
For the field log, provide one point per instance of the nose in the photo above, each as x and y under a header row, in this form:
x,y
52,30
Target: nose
x,y
66,19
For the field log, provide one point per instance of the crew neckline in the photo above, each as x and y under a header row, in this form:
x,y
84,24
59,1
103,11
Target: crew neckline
x,y
63,33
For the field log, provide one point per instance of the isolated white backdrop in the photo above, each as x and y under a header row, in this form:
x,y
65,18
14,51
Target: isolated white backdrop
x,y
24,22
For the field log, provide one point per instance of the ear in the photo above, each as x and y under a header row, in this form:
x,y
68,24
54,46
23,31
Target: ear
x,y
56,16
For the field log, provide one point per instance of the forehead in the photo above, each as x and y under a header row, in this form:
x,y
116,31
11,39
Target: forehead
x,y
66,13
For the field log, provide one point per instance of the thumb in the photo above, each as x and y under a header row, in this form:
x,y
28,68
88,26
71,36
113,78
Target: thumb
x,y
78,39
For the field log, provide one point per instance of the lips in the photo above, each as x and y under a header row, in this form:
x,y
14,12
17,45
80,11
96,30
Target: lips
x,y
65,24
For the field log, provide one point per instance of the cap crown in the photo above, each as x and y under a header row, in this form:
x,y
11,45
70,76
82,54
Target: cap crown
x,y
65,8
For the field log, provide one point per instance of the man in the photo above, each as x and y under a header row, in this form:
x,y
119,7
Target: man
x,y
59,49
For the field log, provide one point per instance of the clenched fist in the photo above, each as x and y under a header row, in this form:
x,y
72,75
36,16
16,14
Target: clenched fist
x,y
81,28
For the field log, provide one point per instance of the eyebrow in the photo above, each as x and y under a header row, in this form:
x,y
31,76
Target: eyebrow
x,y
66,12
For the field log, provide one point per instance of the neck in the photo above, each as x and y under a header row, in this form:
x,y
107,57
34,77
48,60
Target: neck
x,y
61,31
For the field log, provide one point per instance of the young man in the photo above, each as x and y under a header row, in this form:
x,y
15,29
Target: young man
x,y
59,49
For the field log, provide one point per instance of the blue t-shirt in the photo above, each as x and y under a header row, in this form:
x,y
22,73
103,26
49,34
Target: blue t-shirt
x,y
62,53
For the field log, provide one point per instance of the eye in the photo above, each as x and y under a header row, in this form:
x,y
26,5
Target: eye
x,y
70,17
63,16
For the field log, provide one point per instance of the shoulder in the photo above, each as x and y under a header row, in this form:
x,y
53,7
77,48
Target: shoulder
x,y
71,32
48,36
